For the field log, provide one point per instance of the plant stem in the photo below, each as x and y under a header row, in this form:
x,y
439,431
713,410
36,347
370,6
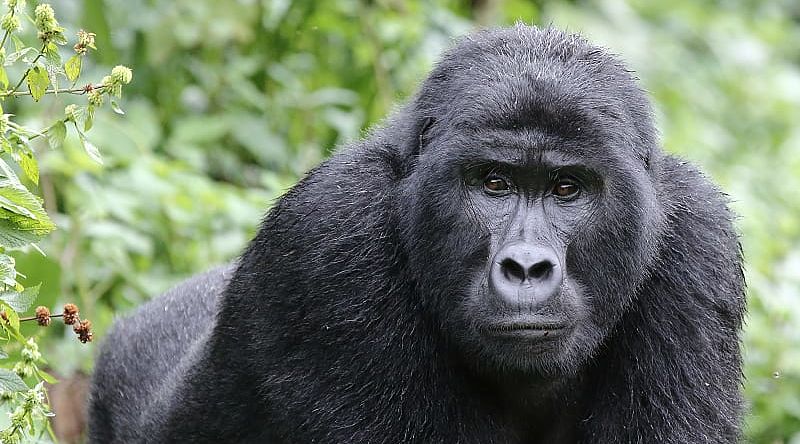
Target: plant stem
x,y
7,33
33,63
78,91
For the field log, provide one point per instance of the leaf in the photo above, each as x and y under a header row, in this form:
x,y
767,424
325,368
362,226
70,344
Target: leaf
x,y
46,377
38,81
7,172
116,108
91,150
73,68
22,217
51,54
89,118
19,45
12,326
3,78
56,134
29,166
12,237
8,272
20,53
10,382
20,301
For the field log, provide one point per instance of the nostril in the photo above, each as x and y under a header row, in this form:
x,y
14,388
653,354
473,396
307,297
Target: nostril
x,y
512,270
541,270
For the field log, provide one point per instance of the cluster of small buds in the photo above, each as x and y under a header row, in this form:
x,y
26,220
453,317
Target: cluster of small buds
x,y
13,4
45,20
10,22
32,402
30,353
70,316
120,75
71,112
85,42
30,356
95,98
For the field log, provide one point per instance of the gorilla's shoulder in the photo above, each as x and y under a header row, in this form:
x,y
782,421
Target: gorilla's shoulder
x,y
160,331
192,301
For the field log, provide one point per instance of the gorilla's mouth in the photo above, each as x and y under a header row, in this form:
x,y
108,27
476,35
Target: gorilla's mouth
x,y
528,329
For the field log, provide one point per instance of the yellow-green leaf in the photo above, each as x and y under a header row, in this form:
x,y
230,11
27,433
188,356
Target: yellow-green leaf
x,y
73,68
38,81
29,165
56,134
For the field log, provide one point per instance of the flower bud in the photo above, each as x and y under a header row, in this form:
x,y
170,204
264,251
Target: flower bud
x,y
121,75
10,23
71,112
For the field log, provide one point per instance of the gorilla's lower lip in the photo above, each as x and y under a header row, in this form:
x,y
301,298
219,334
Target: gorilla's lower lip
x,y
527,330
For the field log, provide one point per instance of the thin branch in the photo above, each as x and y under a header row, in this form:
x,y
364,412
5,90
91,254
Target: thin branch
x,y
77,91
8,32
27,71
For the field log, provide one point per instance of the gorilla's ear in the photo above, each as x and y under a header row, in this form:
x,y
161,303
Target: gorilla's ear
x,y
423,128
416,142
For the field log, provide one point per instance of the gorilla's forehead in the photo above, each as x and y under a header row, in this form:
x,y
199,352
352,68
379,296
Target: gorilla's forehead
x,y
530,147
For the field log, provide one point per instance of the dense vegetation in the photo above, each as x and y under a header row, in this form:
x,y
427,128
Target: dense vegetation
x,y
233,101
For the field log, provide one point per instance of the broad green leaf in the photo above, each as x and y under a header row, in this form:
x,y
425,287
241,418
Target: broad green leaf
x,y
91,150
8,272
10,382
56,134
8,173
3,78
38,81
73,68
8,199
12,237
20,301
29,166
22,218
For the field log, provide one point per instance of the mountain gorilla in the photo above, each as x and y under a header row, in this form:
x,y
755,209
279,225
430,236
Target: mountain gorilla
x,y
511,258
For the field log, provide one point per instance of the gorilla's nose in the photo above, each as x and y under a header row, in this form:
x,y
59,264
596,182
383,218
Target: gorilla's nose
x,y
527,274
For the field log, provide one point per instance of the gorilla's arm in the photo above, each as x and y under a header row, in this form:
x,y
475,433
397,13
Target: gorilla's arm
x,y
673,368
147,353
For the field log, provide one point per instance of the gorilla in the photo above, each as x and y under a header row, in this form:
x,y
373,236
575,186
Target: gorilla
x,y
510,258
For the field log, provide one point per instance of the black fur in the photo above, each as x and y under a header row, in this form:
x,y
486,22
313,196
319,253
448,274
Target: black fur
x,y
358,314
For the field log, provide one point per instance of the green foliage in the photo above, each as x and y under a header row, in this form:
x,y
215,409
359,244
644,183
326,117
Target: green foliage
x,y
236,100
23,218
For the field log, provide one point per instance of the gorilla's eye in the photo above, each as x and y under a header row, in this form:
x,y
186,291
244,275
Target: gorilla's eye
x,y
495,185
566,188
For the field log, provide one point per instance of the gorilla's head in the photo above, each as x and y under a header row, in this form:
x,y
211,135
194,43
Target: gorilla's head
x,y
531,197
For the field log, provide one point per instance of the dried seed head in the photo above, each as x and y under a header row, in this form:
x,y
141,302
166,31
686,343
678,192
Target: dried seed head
x,y
70,313
42,316
84,330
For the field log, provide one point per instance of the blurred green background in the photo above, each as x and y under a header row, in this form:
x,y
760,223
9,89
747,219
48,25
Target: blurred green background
x,y
233,100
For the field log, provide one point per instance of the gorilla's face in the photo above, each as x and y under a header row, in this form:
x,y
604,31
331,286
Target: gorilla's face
x,y
537,228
